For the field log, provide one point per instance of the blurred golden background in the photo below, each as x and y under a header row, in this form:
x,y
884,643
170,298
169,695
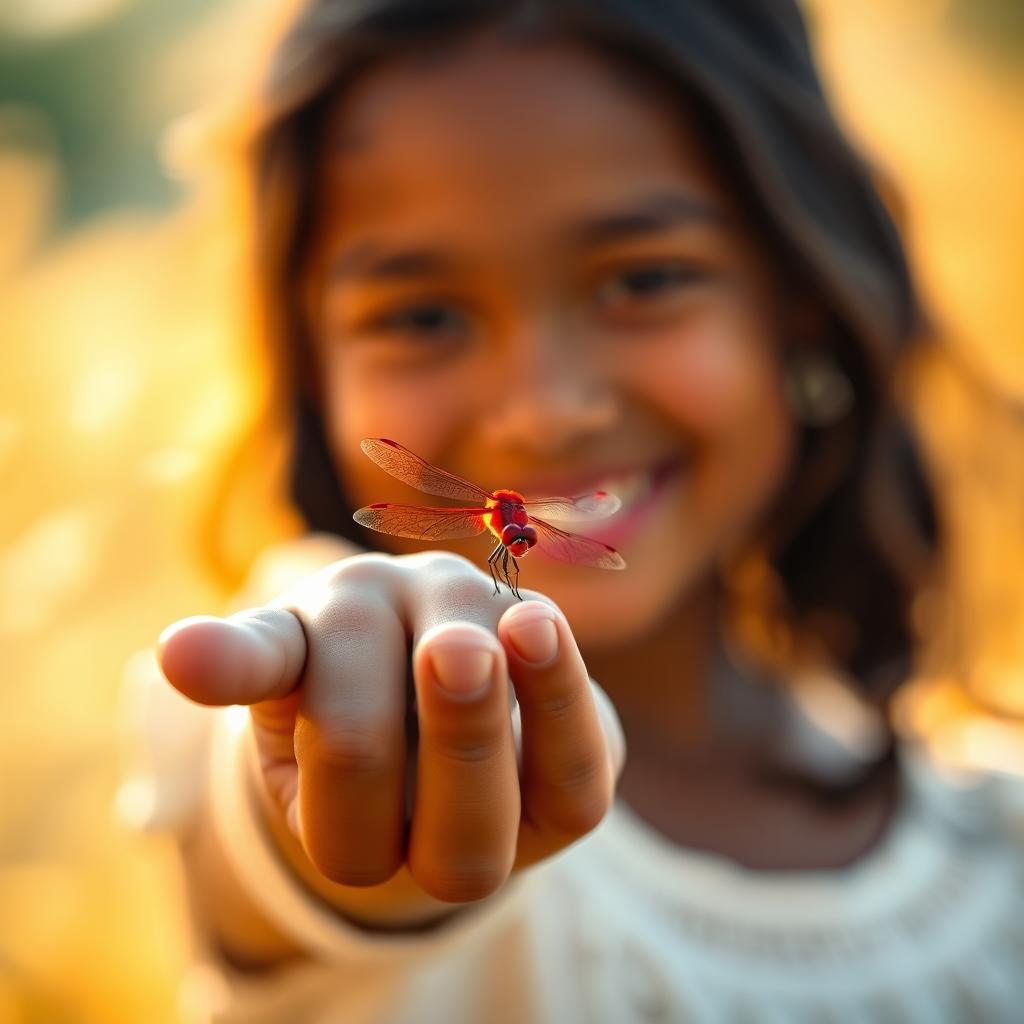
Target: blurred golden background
x,y
124,381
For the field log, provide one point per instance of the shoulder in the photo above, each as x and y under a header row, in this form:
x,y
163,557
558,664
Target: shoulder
x,y
964,759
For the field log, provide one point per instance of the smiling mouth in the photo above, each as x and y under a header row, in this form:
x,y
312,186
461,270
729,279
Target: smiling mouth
x,y
631,486
636,486
640,492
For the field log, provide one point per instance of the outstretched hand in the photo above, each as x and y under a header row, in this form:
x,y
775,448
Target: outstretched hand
x,y
451,785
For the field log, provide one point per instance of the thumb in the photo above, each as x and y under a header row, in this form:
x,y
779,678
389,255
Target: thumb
x,y
252,656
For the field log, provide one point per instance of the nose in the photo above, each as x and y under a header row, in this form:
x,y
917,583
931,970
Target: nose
x,y
549,395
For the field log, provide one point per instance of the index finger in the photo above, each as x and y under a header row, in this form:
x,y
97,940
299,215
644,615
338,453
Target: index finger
x,y
252,656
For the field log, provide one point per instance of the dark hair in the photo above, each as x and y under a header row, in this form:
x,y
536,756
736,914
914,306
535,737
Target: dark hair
x,y
841,550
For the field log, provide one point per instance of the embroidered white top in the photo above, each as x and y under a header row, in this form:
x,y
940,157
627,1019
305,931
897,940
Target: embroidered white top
x,y
624,925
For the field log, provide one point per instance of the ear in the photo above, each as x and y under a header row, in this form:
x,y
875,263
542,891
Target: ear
x,y
817,388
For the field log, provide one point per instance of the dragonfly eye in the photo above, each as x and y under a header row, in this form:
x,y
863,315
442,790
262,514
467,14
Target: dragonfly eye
x,y
518,539
510,534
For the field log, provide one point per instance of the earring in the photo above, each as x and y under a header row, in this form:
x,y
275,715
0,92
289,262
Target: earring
x,y
818,391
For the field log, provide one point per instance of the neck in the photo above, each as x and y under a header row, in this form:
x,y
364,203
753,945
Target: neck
x,y
660,683
697,740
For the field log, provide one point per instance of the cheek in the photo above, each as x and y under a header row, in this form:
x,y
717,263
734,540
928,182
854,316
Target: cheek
x,y
423,410
721,388
749,461
708,379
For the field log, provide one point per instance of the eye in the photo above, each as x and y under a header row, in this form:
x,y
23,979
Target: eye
x,y
427,320
646,287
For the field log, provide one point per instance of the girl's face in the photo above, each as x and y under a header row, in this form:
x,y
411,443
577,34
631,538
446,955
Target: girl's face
x,y
528,272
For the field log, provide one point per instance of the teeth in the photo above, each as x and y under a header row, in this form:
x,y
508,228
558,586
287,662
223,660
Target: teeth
x,y
629,488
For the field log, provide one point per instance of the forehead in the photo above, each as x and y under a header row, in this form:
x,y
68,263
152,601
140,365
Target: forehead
x,y
531,130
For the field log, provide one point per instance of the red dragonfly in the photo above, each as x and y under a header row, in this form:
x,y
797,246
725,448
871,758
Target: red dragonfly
x,y
510,517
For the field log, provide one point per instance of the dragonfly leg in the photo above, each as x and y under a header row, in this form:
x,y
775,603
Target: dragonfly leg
x,y
504,569
491,559
515,579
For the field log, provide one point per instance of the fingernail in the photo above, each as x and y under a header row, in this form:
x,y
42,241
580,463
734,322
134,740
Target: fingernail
x,y
463,671
533,634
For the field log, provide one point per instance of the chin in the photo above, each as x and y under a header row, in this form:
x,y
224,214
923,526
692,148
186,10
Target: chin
x,y
607,609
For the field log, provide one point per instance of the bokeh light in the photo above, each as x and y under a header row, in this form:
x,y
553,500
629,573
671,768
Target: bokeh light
x,y
125,383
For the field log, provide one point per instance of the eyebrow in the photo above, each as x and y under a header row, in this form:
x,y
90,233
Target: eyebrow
x,y
661,212
365,260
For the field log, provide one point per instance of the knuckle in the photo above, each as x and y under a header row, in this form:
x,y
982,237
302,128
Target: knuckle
x,y
465,881
355,620
444,561
352,749
455,582
360,570
560,705
585,796
356,594
462,747
584,774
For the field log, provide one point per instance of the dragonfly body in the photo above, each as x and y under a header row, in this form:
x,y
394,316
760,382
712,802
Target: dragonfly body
x,y
510,522
512,519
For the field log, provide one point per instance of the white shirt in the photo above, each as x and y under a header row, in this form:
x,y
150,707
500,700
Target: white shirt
x,y
623,926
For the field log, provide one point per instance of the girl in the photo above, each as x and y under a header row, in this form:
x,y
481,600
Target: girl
x,y
563,246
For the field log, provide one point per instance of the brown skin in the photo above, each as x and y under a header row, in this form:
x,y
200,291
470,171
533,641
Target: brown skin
x,y
529,351
536,356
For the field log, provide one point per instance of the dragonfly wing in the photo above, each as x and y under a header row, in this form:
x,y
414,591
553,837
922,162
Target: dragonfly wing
x,y
421,522
598,505
571,547
414,471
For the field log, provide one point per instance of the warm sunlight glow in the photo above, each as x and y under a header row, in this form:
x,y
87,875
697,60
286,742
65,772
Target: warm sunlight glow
x,y
128,379
42,18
